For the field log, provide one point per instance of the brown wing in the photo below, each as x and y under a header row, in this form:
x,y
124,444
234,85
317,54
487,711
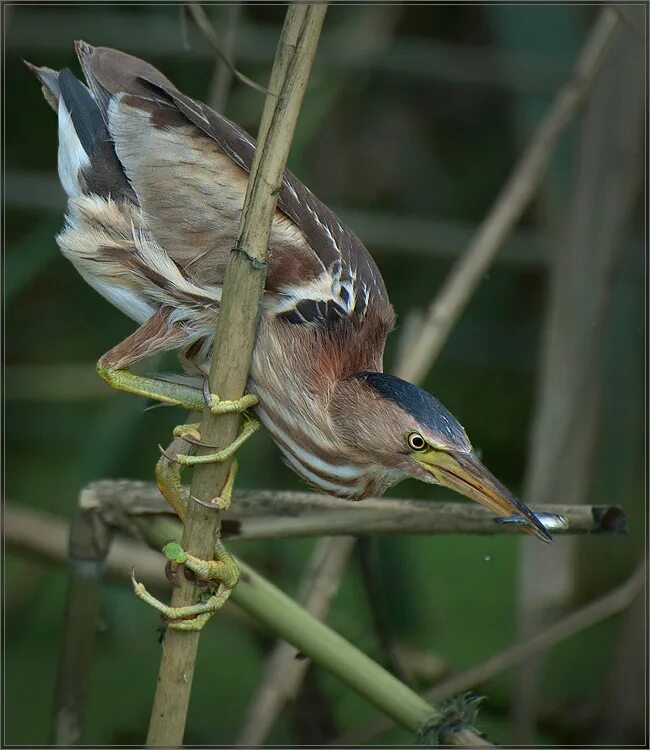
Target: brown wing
x,y
189,189
188,166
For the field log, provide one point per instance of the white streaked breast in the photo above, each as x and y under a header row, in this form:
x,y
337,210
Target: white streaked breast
x,y
340,471
324,475
316,480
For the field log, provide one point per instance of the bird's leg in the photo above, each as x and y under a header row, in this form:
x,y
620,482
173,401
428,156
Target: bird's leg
x,y
221,570
168,479
158,390
176,394
221,573
153,336
168,468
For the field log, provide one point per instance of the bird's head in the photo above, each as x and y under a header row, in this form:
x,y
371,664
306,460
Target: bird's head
x,y
403,430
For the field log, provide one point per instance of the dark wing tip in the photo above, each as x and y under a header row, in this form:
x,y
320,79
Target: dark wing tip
x,y
86,115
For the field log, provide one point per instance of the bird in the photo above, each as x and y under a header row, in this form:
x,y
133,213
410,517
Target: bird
x,y
155,184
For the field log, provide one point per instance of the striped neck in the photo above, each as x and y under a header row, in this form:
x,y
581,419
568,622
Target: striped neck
x,y
322,462
322,467
295,373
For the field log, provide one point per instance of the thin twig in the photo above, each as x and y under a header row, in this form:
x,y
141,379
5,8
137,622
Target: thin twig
x,y
591,614
223,74
283,673
202,21
511,202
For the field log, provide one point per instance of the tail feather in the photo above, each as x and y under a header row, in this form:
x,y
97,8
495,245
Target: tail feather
x,y
87,160
50,83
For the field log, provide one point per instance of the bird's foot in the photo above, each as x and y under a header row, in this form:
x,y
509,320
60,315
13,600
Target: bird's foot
x,y
221,575
169,467
221,406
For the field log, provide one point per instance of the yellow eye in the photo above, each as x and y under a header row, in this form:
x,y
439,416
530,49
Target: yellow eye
x,y
415,441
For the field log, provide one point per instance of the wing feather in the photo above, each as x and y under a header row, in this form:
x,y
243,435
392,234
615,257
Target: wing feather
x,y
188,166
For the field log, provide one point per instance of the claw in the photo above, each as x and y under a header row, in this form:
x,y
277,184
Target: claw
x,y
189,438
205,503
207,396
171,573
138,588
168,456
191,434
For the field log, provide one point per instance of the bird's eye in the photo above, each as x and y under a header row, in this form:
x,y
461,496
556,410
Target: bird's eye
x,y
416,441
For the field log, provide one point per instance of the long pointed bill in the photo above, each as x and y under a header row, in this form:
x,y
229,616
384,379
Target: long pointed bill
x,y
464,473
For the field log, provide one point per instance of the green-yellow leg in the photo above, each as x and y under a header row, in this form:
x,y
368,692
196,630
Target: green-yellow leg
x,y
247,401
192,431
159,390
172,393
168,479
222,571
168,472
223,567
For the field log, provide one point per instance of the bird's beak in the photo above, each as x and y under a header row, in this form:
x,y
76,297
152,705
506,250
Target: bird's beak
x,y
464,473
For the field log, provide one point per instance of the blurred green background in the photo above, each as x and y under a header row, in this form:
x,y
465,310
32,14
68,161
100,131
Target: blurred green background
x,y
413,118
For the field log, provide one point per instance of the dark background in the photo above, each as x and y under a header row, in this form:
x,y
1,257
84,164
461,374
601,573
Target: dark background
x,y
413,119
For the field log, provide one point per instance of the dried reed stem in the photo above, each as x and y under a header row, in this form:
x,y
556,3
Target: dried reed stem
x,y
264,514
243,288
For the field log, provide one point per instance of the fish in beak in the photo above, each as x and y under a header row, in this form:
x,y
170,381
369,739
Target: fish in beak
x,y
464,473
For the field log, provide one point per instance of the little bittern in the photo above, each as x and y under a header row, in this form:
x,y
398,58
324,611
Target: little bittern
x,y
155,183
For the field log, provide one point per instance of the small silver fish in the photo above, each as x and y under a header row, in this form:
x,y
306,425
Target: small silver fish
x,y
550,521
